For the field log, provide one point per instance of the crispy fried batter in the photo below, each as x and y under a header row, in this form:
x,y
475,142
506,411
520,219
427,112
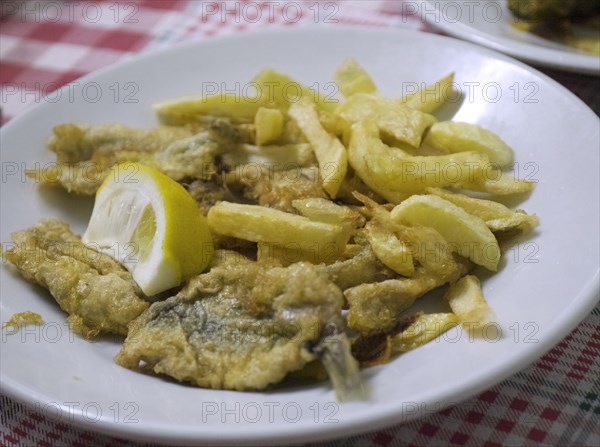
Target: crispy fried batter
x,y
86,153
363,268
207,193
240,326
376,348
98,294
278,189
376,307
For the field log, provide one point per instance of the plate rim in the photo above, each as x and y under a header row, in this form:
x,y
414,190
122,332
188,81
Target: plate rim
x,y
551,58
587,296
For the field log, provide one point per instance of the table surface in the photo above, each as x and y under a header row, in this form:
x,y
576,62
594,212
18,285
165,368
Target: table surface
x,y
44,45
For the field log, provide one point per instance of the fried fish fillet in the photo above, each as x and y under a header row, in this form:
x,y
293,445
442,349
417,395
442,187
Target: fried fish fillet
x,y
363,268
85,153
377,307
99,295
244,326
207,193
276,189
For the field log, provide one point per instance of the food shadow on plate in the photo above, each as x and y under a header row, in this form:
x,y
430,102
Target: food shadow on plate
x,y
512,201
516,248
76,209
34,289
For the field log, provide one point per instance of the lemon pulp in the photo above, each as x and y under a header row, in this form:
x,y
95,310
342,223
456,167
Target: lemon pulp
x,y
149,223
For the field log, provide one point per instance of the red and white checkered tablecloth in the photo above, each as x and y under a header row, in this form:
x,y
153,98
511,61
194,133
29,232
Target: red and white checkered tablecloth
x,y
45,44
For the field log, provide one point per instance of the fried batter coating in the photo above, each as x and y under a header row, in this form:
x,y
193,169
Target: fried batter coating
x,y
377,307
242,326
208,193
86,153
363,268
277,189
99,295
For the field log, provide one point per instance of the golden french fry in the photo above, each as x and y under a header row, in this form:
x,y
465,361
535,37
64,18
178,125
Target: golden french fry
x,y
352,78
426,328
430,98
496,182
186,110
389,249
519,222
330,152
323,210
393,118
395,175
430,249
283,91
269,125
261,224
464,137
333,123
426,245
468,303
469,234
498,217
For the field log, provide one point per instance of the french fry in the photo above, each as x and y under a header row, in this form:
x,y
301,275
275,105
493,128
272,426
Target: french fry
x,y
393,118
497,217
430,98
427,245
352,78
261,224
466,300
389,249
269,125
187,110
323,210
463,137
283,91
429,248
395,175
330,152
494,181
333,123
519,222
469,234
427,327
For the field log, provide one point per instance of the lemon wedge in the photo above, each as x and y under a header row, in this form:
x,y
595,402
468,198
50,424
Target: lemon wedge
x,y
150,224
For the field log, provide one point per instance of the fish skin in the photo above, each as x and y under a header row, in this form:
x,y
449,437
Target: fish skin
x,y
242,326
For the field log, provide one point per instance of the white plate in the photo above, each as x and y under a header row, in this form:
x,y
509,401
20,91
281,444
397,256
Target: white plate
x,y
488,22
546,286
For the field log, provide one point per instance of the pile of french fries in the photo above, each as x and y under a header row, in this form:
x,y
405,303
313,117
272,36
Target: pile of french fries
x,y
414,191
